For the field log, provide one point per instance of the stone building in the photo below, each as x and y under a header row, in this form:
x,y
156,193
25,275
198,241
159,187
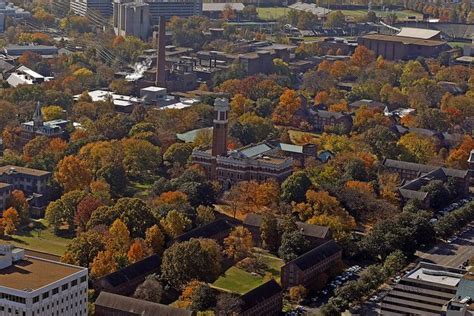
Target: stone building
x,y
38,127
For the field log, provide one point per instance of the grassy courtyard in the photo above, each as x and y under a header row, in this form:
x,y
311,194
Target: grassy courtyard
x,y
240,281
272,13
40,238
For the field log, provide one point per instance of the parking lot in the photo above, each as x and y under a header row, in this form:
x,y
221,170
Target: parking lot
x,y
454,253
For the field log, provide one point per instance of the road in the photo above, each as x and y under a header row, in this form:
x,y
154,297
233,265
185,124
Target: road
x,y
451,255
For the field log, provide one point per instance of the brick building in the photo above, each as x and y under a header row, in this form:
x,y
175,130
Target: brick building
x,y
38,127
326,119
315,234
217,230
265,300
255,162
401,47
305,269
33,182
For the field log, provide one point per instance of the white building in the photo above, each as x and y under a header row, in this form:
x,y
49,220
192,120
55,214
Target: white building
x,y
31,286
24,75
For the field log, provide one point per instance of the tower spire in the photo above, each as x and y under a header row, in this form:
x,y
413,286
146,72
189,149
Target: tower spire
x,y
38,116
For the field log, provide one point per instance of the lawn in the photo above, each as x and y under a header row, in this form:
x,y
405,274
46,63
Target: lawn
x,y
40,238
299,137
239,281
401,15
272,13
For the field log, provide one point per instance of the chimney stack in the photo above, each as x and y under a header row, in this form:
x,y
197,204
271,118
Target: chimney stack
x,y
161,59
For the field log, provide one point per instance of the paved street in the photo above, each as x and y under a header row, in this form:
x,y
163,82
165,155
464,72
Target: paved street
x,y
453,254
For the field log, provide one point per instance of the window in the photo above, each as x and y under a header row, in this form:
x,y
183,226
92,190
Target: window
x,y
45,295
64,287
74,283
55,290
36,299
83,279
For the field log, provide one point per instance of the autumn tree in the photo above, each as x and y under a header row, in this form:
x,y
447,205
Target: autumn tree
x,y
73,174
154,239
11,220
287,106
175,223
239,243
52,112
295,187
84,248
418,147
85,208
458,157
103,264
17,200
362,56
138,251
119,238
293,244
205,215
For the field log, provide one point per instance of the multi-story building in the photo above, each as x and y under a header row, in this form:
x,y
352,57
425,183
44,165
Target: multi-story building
x,y
266,299
33,182
217,230
305,269
31,286
5,191
423,291
24,75
83,7
131,18
315,234
255,162
38,127
170,8
323,120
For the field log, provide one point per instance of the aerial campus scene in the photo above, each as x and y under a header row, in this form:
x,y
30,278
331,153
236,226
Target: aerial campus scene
x,y
236,157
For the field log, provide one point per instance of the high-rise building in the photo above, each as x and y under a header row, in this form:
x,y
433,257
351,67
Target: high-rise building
x,y
82,7
169,8
131,18
32,286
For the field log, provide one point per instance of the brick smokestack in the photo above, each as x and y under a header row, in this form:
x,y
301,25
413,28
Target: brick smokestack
x,y
160,58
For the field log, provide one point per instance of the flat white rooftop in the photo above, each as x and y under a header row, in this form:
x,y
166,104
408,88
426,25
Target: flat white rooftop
x,y
435,276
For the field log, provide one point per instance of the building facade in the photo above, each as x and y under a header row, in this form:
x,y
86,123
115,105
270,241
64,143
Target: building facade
x,y
32,286
267,299
305,269
131,18
323,120
169,8
258,162
84,7
5,191
38,127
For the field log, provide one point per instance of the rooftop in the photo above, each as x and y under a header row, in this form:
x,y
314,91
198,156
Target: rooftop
x,y
435,276
9,169
418,33
33,273
316,255
260,294
220,6
404,40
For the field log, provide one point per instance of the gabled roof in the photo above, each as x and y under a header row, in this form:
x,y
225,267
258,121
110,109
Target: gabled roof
x,y
133,306
316,255
423,169
260,294
206,231
328,114
141,268
306,229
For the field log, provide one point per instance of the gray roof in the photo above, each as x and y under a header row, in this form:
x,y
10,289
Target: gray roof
x,y
423,169
309,7
255,150
316,255
328,114
220,6
135,306
306,229
418,33
291,148
190,136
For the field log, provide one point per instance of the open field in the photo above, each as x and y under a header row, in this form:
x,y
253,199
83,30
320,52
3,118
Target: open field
x,y
274,13
299,137
239,281
40,238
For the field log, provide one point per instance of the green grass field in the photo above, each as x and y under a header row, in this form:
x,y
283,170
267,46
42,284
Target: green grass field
x,y
299,137
274,13
40,238
239,281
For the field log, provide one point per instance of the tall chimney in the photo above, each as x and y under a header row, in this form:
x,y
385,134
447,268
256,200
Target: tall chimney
x,y
160,58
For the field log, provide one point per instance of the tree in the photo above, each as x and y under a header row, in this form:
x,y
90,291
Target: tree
x,y
175,223
438,194
60,213
362,56
295,187
420,148
103,264
83,249
178,153
150,290
11,220
135,214
296,294
229,304
394,263
17,200
239,243
293,244
119,237
197,296
287,106
335,19
205,215
7,114
85,208
138,251
154,239
73,174
191,260
269,232
140,157
52,112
